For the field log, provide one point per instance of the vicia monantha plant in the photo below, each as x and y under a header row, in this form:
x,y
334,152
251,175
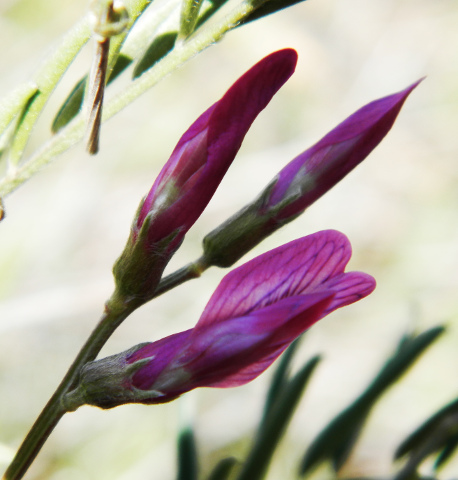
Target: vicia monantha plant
x,y
260,307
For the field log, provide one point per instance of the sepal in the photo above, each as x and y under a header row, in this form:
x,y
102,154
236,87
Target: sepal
x,y
107,383
235,237
139,268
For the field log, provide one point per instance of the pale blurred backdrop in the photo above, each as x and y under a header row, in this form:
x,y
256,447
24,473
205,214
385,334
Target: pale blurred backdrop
x,y
67,225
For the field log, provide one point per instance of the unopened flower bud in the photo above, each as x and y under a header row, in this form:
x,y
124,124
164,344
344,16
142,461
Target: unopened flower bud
x,y
304,180
192,174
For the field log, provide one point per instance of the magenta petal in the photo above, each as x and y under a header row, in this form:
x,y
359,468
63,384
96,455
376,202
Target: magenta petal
x,y
349,287
298,267
237,350
281,338
250,94
320,167
205,152
198,128
161,352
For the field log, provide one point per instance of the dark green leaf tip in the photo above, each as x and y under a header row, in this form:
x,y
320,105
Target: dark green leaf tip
x,y
269,7
187,456
275,423
223,469
160,47
280,377
71,106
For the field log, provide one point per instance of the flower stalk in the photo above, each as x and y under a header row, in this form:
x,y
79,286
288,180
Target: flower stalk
x,y
115,313
54,409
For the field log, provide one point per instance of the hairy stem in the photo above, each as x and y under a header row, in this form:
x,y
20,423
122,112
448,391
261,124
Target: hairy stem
x,y
190,271
73,133
53,411
45,81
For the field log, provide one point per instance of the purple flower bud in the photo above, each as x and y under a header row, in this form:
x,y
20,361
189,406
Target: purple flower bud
x,y
319,168
255,313
204,153
193,172
304,180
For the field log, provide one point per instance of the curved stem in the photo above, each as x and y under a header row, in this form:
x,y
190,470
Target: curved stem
x,y
115,313
35,439
53,411
188,272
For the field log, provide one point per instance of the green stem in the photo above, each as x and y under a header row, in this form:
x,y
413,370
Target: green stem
x,y
46,80
52,71
53,411
12,104
188,272
70,135
115,313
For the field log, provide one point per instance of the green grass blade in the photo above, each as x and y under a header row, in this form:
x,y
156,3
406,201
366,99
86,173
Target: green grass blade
x,y
187,456
223,469
271,431
279,379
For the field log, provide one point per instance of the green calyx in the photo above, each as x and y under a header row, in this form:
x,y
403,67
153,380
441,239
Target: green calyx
x,y
236,236
231,240
139,268
107,383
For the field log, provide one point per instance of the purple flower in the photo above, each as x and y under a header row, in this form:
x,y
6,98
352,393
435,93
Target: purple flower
x,y
204,153
304,180
255,313
192,174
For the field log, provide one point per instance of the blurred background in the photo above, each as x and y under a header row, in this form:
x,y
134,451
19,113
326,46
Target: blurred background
x,y
66,226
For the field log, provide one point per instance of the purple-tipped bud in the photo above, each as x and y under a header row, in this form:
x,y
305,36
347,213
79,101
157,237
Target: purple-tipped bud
x,y
319,168
193,172
255,313
304,180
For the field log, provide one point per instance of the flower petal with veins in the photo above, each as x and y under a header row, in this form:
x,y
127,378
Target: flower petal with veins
x,y
255,313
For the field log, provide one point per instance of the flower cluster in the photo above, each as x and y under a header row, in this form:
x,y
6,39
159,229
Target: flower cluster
x,y
261,307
